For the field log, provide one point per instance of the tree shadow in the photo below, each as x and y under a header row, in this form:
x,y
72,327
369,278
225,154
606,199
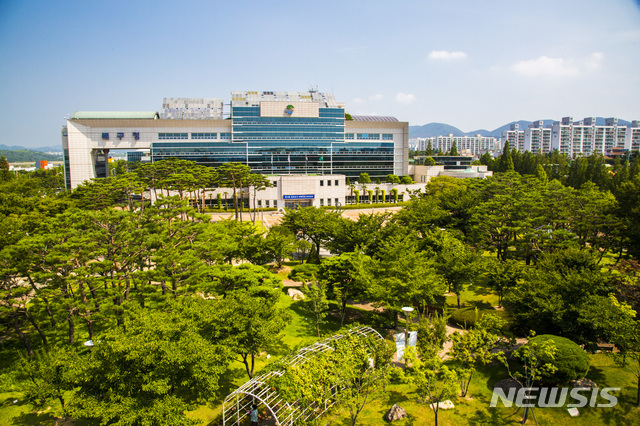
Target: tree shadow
x,y
28,419
480,304
597,375
493,416
227,382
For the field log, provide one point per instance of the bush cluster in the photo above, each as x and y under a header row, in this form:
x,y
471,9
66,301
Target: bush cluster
x,y
571,361
467,317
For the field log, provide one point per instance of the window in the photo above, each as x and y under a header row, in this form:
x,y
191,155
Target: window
x,y
337,201
266,203
328,182
387,137
105,136
204,136
225,135
369,136
348,135
321,183
328,201
321,201
337,182
259,203
275,183
165,136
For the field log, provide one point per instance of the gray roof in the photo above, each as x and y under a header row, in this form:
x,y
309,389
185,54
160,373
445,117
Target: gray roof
x,y
374,118
115,115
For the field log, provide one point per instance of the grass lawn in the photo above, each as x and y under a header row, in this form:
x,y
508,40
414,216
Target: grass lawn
x,y
475,409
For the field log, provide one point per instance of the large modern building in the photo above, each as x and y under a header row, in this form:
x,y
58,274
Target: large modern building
x,y
275,133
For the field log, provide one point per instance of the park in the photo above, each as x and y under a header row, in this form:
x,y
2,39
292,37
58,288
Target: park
x,y
119,311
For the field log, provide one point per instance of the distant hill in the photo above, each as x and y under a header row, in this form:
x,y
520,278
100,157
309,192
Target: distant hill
x,y
52,148
24,156
433,129
437,129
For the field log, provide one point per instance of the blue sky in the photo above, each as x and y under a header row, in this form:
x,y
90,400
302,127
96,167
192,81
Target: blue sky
x,y
469,63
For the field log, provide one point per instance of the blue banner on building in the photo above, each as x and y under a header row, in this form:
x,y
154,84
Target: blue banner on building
x,y
298,197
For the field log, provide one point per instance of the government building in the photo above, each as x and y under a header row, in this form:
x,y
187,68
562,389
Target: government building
x,y
274,133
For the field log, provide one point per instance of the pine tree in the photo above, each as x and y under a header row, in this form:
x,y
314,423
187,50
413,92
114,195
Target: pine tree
x,y
506,161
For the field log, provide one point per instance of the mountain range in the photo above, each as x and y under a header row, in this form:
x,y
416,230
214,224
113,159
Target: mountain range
x,y
437,129
52,148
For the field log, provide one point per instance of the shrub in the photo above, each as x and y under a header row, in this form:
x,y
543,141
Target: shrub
x,y
304,272
397,376
571,361
467,317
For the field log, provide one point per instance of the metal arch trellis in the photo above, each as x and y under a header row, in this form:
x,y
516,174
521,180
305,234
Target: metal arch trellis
x,y
237,404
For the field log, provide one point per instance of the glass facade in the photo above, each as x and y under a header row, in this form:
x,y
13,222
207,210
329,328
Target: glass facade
x,y
286,144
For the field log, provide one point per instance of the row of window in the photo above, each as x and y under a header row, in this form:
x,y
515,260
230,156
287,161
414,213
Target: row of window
x,y
336,200
172,136
369,136
337,182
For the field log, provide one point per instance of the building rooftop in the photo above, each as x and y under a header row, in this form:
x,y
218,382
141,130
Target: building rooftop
x,y
254,98
115,115
374,118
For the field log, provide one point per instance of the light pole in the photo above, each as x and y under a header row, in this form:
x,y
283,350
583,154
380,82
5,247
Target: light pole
x,y
407,310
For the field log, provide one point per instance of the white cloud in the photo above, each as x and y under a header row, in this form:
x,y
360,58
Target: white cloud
x,y
357,100
558,67
405,98
443,55
376,97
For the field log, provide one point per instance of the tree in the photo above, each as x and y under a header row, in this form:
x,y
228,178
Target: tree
x,y
279,244
347,277
361,368
51,374
476,347
455,262
364,178
234,175
257,182
155,370
503,276
5,174
616,322
313,224
550,299
251,323
541,175
315,301
406,180
506,161
392,179
351,372
534,357
405,276
434,380
454,149
432,334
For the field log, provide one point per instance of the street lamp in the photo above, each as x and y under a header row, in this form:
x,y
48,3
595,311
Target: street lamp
x,y
407,310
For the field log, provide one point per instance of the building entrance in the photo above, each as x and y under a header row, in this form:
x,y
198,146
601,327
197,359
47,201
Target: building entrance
x,y
298,204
